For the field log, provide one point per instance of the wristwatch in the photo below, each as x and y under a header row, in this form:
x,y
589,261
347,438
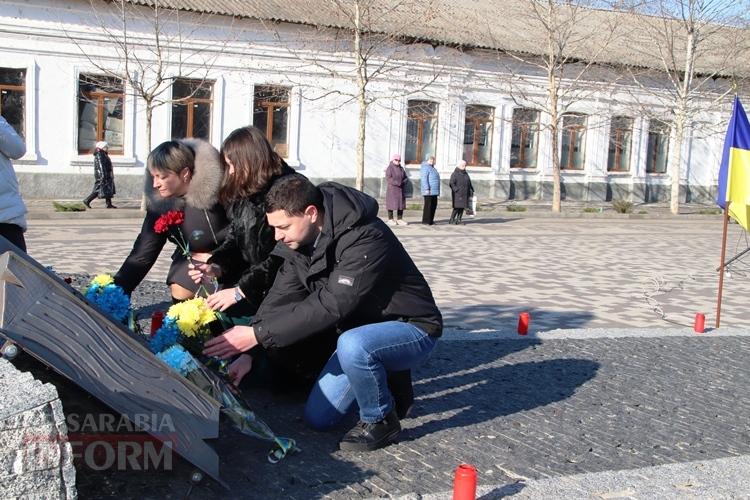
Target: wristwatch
x,y
237,295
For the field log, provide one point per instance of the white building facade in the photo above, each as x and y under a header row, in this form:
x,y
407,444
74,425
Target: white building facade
x,y
58,77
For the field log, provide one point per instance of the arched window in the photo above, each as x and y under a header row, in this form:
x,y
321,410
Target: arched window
x,y
525,139
478,135
100,112
573,141
620,142
191,108
421,130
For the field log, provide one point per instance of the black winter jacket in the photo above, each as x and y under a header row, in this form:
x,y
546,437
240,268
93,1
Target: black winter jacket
x,y
104,176
203,229
245,256
461,189
359,273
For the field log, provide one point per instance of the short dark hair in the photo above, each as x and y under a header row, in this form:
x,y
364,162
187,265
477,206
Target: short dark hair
x,y
172,156
293,194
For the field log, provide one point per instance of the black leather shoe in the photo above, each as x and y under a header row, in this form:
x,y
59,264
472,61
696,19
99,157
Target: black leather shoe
x,y
399,383
87,203
111,206
368,437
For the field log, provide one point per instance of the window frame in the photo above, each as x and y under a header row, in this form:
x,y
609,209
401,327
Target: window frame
x,y
617,142
17,88
269,106
100,96
573,130
420,119
651,156
525,132
189,101
476,125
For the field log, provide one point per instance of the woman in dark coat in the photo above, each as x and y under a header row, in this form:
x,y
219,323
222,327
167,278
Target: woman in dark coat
x,y
396,178
187,175
461,192
244,260
104,177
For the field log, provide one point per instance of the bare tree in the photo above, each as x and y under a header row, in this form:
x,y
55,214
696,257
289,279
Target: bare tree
x,y
153,46
365,46
697,45
565,65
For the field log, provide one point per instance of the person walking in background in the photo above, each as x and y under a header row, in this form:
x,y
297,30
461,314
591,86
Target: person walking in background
x,y
430,179
104,177
12,208
395,177
461,192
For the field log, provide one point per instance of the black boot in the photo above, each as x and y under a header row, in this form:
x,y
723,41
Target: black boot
x,y
453,217
399,383
368,437
87,201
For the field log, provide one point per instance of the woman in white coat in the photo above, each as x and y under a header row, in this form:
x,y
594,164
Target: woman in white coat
x,y
12,208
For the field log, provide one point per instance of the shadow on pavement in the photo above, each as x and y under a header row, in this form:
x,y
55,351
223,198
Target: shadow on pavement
x,y
463,385
502,316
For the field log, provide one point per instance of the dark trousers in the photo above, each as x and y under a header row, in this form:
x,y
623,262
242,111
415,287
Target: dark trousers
x,y
428,213
94,194
456,216
14,234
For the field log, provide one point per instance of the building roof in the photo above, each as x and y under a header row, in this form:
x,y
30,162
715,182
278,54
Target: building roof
x,y
506,25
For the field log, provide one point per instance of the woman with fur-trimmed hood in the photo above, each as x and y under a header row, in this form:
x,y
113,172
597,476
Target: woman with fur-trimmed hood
x,y
187,176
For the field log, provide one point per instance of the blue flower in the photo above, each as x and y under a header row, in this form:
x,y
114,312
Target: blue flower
x,y
165,337
178,359
110,299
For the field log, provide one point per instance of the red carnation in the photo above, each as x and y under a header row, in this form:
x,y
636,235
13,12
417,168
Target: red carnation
x,y
169,219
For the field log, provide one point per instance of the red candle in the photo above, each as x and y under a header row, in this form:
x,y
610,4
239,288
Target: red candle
x,y
465,483
523,323
156,320
700,323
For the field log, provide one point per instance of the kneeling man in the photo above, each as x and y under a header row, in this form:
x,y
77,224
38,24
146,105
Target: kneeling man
x,y
343,269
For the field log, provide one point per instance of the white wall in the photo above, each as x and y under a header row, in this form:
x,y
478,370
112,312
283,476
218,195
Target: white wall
x,y
37,34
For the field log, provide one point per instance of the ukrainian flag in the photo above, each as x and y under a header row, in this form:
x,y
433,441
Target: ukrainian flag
x,y
734,172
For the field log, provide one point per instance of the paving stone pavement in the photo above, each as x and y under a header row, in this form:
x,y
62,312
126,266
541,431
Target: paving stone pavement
x,y
533,414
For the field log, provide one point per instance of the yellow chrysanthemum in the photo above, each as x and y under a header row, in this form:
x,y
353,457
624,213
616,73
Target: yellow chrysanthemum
x,y
192,316
102,280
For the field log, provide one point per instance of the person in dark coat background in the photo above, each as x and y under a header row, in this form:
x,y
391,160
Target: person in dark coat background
x,y
396,178
104,177
461,192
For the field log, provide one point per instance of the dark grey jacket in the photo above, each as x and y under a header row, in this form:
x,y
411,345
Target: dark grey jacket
x,y
359,273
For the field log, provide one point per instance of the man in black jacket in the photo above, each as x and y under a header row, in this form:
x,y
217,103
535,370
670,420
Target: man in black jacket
x,y
343,269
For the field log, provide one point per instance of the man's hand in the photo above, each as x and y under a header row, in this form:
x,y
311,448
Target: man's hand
x,y
221,300
239,368
236,340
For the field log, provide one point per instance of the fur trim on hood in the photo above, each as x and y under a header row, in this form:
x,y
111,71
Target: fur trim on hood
x,y
203,190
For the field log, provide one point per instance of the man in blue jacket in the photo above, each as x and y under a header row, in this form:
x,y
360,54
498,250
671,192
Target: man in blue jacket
x,y
343,269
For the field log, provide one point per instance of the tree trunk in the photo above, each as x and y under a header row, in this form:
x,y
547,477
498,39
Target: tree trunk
x,y
675,161
146,175
360,182
556,191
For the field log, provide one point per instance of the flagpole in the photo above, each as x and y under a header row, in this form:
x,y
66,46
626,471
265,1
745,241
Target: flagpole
x,y
721,265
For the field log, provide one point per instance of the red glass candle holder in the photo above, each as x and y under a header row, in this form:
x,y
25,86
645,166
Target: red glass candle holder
x,y
523,323
157,318
465,483
700,323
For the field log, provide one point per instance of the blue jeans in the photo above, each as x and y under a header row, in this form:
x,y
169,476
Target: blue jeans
x,y
357,371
